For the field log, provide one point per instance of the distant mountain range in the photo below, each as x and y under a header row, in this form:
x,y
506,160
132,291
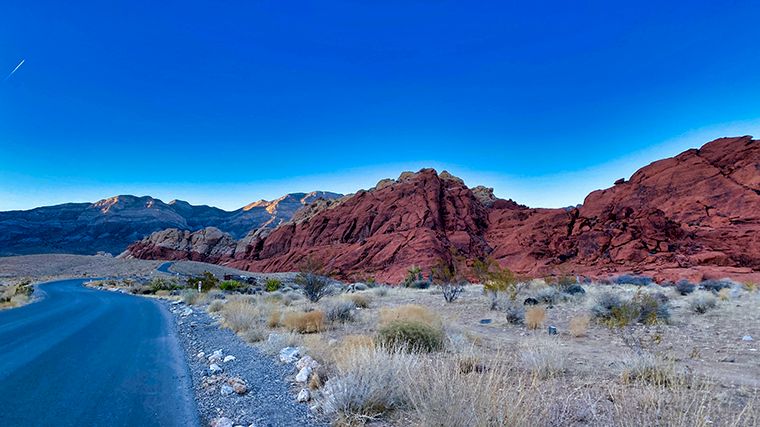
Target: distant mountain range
x,y
110,225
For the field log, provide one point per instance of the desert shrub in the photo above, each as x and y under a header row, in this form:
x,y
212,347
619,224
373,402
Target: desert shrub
x,y
618,312
230,285
548,295
629,279
241,314
451,291
413,336
359,300
305,323
724,294
413,274
272,284
340,311
367,385
750,287
362,286
420,284
208,281
190,297
253,335
19,299
684,287
408,312
575,289
290,297
647,368
380,291
579,325
715,285
534,317
515,313
543,357
216,305
499,280
702,302
652,308
273,318
313,284
161,284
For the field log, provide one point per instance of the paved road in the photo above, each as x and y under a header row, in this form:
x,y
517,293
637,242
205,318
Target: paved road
x,y
82,357
164,268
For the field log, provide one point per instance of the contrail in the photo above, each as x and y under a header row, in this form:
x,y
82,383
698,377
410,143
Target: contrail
x,y
16,69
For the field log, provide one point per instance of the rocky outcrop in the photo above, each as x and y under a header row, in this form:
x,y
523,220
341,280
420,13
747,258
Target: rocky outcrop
x,y
110,225
208,245
694,215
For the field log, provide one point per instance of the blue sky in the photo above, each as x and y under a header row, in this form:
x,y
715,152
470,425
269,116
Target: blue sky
x,y
227,102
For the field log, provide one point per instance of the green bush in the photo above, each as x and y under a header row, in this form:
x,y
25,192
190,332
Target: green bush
x,y
230,285
272,284
413,336
208,282
615,311
161,284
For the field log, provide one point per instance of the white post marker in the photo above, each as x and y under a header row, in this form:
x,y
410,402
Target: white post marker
x,y
199,286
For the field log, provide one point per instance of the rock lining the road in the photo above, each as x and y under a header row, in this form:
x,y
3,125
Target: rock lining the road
x,y
260,396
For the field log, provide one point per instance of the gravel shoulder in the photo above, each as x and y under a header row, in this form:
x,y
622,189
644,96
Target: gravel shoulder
x,y
269,400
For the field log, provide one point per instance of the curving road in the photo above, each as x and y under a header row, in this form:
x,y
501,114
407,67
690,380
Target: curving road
x,y
83,357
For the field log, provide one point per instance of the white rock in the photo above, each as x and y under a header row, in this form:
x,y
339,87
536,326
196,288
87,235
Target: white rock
x,y
226,390
228,359
304,395
303,375
186,312
289,355
307,361
216,357
221,422
747,338
215,369
201,355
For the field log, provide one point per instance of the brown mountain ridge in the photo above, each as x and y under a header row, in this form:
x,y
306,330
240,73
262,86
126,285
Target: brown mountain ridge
x,y
695,215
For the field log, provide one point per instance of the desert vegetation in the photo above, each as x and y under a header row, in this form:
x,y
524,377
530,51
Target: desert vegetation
x,y
15,293
514,351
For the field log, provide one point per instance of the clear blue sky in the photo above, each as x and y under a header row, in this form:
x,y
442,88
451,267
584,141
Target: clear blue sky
x,y
227,102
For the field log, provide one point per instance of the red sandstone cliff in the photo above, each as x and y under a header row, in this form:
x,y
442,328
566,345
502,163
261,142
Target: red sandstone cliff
x,y
693,215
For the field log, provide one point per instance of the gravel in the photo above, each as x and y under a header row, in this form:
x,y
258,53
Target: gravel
x,y
269,400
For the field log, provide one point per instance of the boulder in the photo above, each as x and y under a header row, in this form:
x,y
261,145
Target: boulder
x,y
221,422
303,375
215,369
289,354
304,395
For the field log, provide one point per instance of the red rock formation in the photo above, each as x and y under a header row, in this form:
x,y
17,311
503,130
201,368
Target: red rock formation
x,y
694,215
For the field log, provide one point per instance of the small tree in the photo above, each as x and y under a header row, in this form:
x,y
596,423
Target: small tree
x,y
413,274
447,278
311,279
501,280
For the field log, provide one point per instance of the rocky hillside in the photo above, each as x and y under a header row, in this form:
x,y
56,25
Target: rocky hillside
x,y
111,224
694,215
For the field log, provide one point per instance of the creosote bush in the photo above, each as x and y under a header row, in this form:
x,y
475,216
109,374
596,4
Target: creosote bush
x,y
340,311
702,302
543,357
515,313
315,286
616,311
414,336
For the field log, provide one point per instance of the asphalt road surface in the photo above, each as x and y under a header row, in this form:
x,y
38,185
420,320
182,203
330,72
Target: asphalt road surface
x,y
83,357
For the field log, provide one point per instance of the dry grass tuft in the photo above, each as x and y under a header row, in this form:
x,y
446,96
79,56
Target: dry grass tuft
x,y
409,313
241,314
305,323
215,306
535,317
579,325
274,318
360,300
370,383
724,294
650,369
543,357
